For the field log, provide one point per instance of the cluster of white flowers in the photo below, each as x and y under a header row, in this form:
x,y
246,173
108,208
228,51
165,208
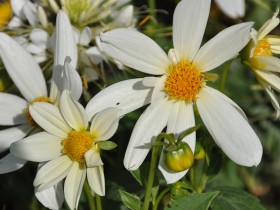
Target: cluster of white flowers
x,y
55,130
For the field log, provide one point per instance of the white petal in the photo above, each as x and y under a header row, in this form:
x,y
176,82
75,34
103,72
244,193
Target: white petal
x,y
10,135
12,109
85,37
181,118
229,129
73,112
38,147
234,9
105,123
52,197
125,17
22,68
270,78
39,37
150,81
48,117
266,63
93,159
52,172
268,26
127,95
74,184
10,163
135,50
158,94
96,180
17,6
30,12
224,46
148,126
189,22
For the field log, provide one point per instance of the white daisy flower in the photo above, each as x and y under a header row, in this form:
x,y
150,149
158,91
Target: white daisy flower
x,y
232,8
260,58
181,84
73,150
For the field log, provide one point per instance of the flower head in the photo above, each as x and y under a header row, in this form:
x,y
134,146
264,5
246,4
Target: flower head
x,y
181,83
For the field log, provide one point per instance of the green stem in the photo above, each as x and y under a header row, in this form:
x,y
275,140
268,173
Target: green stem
x,y
89,196
160,196
151,177
152,7
224,76
98,202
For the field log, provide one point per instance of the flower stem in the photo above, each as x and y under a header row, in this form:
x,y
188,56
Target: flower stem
x,y
151,177
89,196
160,196
224,75
152,7
98,202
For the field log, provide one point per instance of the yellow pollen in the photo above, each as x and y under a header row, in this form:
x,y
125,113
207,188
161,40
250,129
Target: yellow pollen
x,y
5,13
183,82
263,48
77,144
27,113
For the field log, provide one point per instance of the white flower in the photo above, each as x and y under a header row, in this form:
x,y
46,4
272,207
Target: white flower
x,y
181,84
71,149
261,60
232,8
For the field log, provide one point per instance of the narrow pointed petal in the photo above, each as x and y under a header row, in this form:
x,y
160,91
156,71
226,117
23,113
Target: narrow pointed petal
x,y
12,109
10,163
148,126
229,129
189,22
224,46
74,184
48,117
135,50
38,147
127,95
22,68
270,78
234,9
85,37
52,172
73,112
96,180
52,197
11,135
269,25
266,63
181,118
93,159
105,123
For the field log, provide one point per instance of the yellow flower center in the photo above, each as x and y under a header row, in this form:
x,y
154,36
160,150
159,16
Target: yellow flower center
x,y
5,13
77,144
263,48
183,82
28,116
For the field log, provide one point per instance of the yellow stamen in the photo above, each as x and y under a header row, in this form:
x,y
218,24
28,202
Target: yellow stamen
x,y
263,48
77,144
28,116
5,13
183,82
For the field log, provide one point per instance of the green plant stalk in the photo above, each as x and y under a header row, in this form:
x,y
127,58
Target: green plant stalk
x,y
224,75
152,7
152,170
90,198
160,196
98,202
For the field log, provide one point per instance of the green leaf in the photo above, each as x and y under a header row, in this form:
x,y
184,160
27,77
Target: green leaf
x,y
141,174
130,201
107,145
187,132
195,201
235,199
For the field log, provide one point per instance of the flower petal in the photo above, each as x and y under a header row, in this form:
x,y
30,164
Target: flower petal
x,y
127,95
10,163
38,147
189,22
266,63
48,117
74,184
73,112
93,159
85,37
12,109
234,9
22,68
214,53
52,172
270,78
148,126
10,135
135,50
96,180
268,26
229,129
105,123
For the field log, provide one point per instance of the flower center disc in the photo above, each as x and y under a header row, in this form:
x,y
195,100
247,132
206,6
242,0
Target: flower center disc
x,y
183,82
263,48
27,114
77,144
5,13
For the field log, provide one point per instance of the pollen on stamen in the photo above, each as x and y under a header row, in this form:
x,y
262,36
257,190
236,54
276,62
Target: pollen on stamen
x,y
263,48
183,82
27,114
